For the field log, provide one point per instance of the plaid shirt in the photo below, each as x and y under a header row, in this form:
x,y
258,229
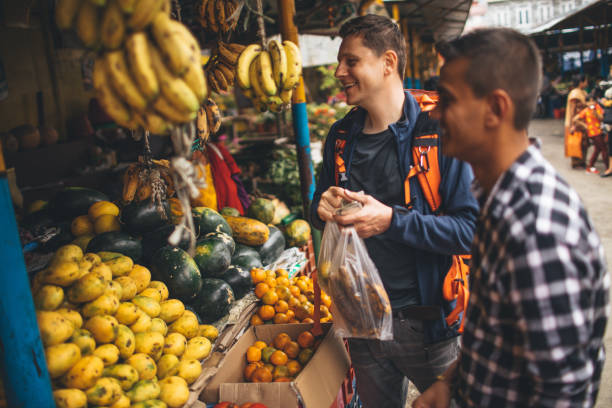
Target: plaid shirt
x,y
539,297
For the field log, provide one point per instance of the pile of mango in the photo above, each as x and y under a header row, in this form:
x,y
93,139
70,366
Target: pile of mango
x,y
112,336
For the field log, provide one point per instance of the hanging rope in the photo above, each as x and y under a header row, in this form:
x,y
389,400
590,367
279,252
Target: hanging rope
x,y
261,32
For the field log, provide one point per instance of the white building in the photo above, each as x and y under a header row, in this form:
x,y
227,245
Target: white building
x,y
523,15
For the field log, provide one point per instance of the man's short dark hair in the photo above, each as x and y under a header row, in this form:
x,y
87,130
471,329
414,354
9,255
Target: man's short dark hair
x,y
379,34
500,58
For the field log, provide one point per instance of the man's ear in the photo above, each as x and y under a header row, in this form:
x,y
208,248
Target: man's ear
x,y
390,61
500,108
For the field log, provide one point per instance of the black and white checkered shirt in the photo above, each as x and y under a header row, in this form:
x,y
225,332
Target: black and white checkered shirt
x,y
539,298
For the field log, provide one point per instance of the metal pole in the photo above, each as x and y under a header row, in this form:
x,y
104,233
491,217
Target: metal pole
x,y
24,370
298,110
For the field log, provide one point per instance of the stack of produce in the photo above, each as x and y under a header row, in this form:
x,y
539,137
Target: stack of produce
x,y
112,336
286,300
281,360
268,76
148,72
219,16
220,69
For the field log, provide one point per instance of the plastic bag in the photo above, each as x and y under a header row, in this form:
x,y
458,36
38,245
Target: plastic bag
x,y
348,275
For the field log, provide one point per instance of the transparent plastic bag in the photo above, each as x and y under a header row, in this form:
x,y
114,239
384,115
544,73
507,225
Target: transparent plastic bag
x,y
361,307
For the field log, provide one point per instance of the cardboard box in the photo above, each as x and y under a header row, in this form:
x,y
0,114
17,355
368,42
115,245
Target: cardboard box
x,y
316,386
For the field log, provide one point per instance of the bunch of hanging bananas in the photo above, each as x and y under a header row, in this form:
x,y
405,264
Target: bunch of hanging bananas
x,y
150,75
208,122
268,77
221,68
141,181
219,16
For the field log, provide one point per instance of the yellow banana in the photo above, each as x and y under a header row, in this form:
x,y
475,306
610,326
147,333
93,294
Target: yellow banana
x,y
170,113
202,129
144,13
173,88
210,16
88,24
213,115
110,102
112,27
156,124
279,62
275,104
122,82
286,95
65,12
139,59
255,85
265,74
166,7
127,6
196,80
294,64
178,53
244,62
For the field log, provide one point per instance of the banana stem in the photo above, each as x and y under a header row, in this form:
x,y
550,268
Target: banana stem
x,y
260,22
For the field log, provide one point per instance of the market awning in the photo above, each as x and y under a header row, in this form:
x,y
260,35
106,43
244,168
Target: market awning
x,y
594,13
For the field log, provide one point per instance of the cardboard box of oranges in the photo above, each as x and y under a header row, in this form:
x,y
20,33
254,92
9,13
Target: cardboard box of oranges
x,y
305,368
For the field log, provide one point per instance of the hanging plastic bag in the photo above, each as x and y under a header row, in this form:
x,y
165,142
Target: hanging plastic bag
x,y
361,307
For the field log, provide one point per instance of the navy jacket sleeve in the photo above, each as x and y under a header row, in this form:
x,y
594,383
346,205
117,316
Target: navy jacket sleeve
x,y
327,178
449,233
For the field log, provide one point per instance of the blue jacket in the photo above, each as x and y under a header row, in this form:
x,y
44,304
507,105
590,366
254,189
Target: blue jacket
x,y
435,237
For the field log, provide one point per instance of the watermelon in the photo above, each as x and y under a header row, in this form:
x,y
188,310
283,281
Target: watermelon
x,y
214,300
116,241
239,279
140,217
246,257
178,271
210,221
273,247
74,201
213,256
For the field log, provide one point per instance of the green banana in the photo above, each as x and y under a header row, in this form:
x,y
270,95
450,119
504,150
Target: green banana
x,y
65,12
139,59
173,88
112,27
122,82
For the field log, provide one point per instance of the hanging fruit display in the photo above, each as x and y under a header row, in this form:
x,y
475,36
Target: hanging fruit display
x,y
221,68
268,77
148,72
219,16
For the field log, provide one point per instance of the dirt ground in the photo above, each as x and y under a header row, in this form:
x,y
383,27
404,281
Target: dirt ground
x,y
596,193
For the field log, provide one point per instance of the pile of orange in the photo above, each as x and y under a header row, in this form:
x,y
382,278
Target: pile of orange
x,y
281,360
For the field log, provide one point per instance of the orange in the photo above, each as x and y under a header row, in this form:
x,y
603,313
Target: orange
x,y
295,291
325,319
280,371
270,297
290,314
305,356
266,312
307,320
270,274
260,289
283,281
324,310
261,374
302,312
302,298
256,320
249,370
278,358
281,318
281,306
294,367
305,339
283,292
325,299
271,282
253,354
310,296
302,285
266,352
258,275
294,321
81,225
282,272
269,367
260,344
106,223
293,302
292,349
281,340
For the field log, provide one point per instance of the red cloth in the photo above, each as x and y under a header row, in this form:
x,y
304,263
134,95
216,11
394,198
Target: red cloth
x,y
223,166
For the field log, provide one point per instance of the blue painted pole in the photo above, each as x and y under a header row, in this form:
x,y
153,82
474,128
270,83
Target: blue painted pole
x,y
24,370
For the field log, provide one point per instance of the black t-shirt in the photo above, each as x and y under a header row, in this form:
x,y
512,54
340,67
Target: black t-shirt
x,y
375,170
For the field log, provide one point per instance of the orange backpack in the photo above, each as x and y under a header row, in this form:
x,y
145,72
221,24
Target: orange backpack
x,y
427,171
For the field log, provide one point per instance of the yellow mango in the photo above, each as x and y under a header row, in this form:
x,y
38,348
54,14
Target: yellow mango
x,y
114,288
174,391
62,273
187,325
209,331
161,288
104,270
144,364
144,390
197,348
49,297
70,398
171,310
105,391
141,275
148,305
152,403
67,253
71,315
120,266
81,225
167,365
151,293
87,288
128,287
102,208
175,343
190,370
61,357
125,341
142,324
93,258
108,353
150,343
125,373
105,304
127,313
54,328
84,340
103,328
84,373
122,402
158,325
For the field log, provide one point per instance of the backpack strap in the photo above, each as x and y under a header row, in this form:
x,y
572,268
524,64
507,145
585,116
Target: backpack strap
x,y
339,164
427,170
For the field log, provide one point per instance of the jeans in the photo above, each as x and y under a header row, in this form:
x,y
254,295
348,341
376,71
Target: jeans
x,y
380,366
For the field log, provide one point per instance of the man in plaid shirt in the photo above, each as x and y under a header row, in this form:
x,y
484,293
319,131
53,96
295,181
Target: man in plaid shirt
x,y
539,298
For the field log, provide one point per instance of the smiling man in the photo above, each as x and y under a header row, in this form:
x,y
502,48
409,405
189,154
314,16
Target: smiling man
x,y
370,150
538,308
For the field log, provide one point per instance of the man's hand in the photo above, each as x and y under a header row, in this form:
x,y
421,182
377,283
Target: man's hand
x,y
436,396
330,201
373,219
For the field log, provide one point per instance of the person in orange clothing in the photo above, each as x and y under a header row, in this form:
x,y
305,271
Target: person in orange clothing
x,y
590,118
